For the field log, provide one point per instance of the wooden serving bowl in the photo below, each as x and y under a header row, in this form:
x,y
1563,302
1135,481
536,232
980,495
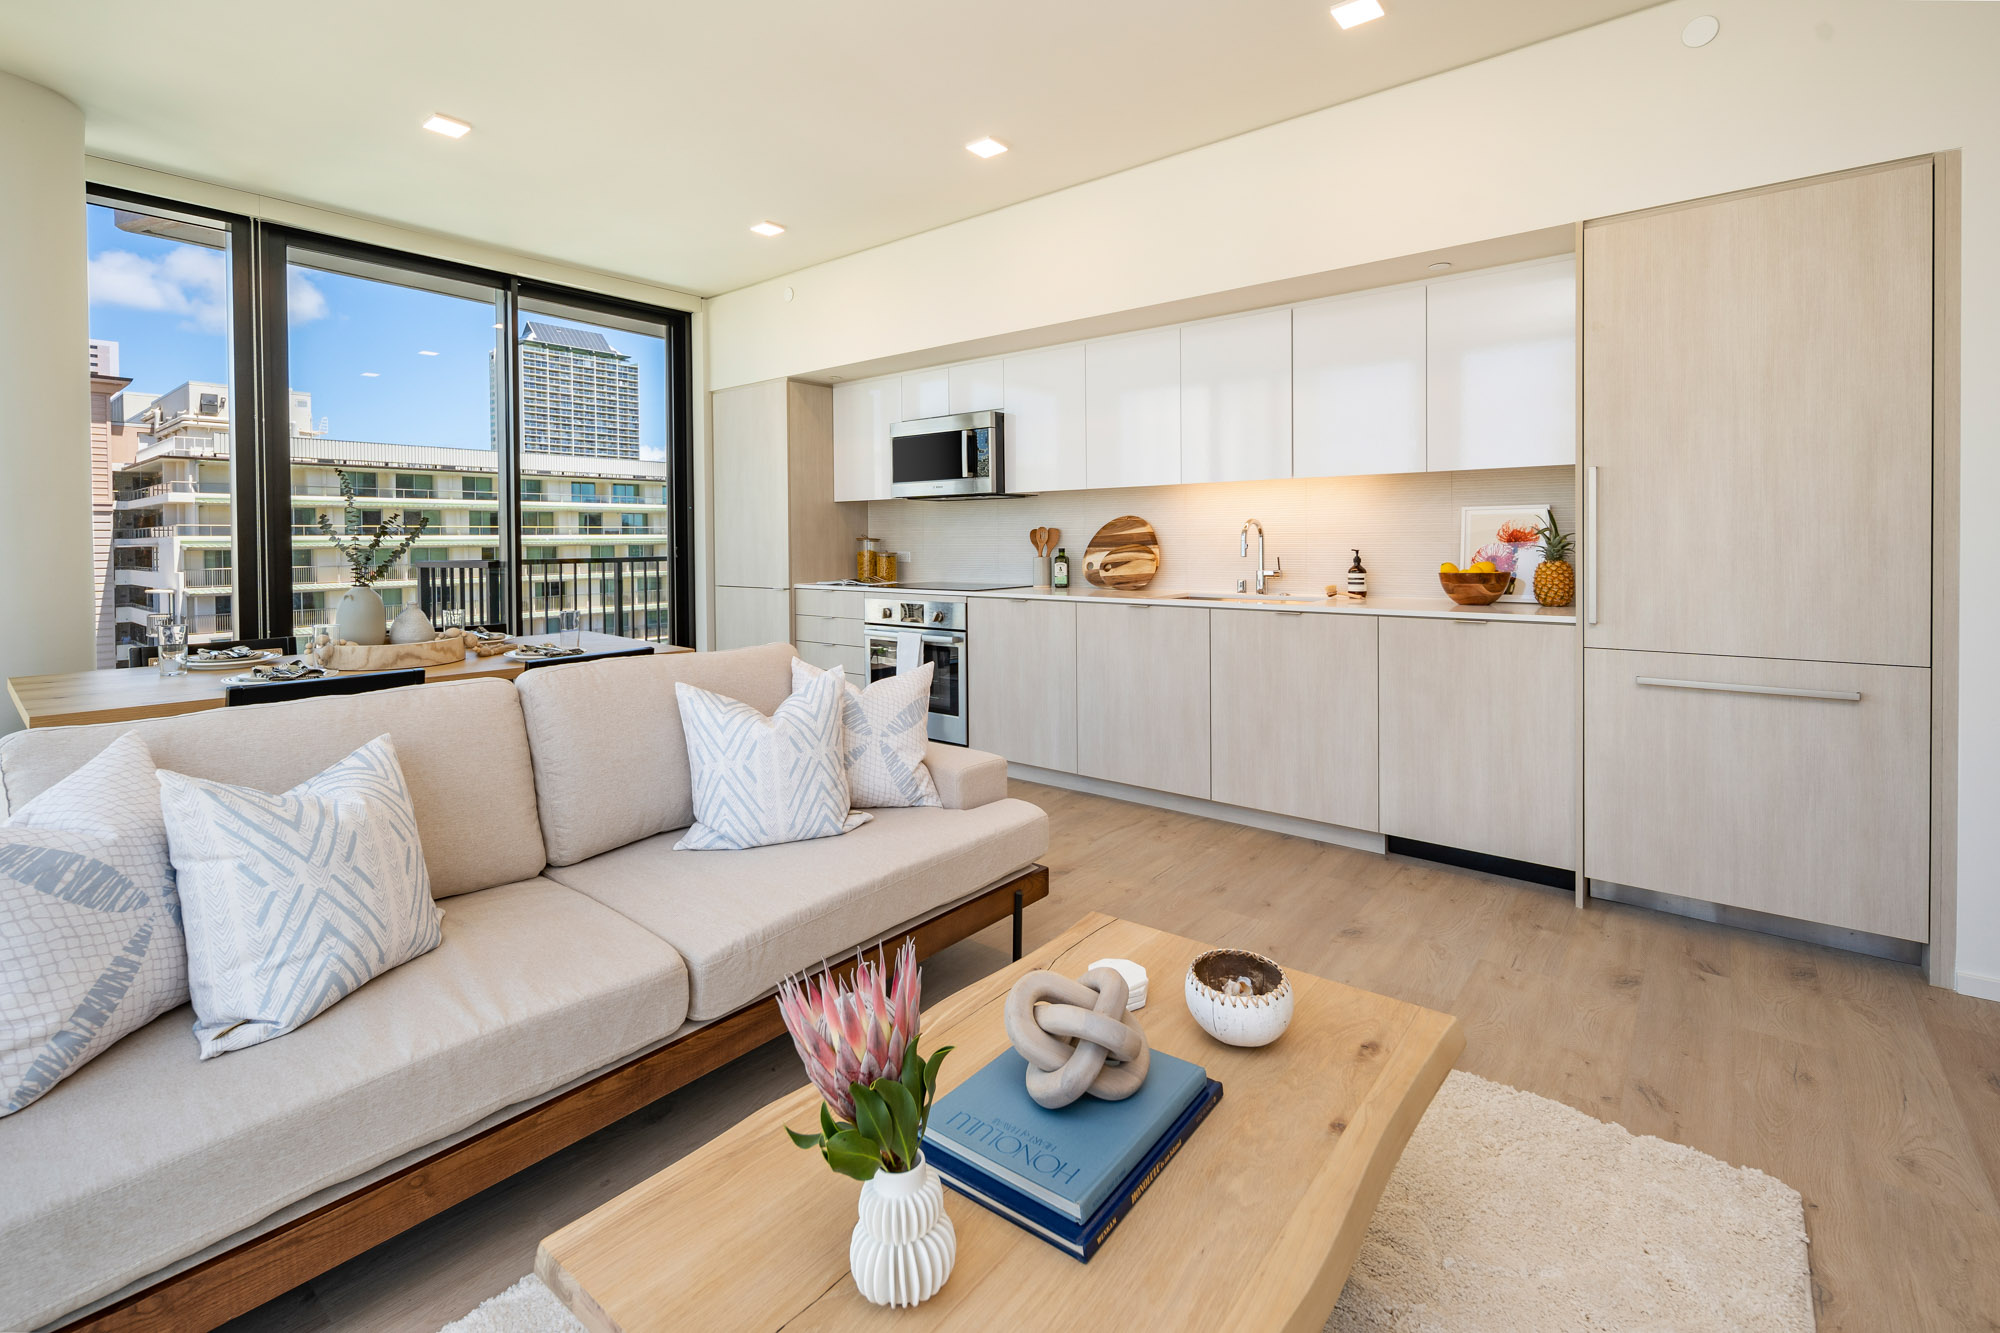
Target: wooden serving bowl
x,y
1469,589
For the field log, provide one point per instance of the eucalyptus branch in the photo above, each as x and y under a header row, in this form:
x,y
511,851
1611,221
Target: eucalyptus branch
x,y
365,560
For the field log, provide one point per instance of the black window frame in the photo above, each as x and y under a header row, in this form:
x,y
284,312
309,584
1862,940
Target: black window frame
x,y
260,417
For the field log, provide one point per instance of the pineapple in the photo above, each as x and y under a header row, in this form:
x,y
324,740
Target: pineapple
x,y
1555,581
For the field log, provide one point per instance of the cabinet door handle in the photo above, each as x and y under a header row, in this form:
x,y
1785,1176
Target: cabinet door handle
x,y
1590,536
1725,687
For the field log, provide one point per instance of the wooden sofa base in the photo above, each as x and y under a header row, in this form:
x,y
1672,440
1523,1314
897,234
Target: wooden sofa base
x,y
238,1280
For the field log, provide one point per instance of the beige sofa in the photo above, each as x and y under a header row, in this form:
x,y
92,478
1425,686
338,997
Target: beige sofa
x,y
581,953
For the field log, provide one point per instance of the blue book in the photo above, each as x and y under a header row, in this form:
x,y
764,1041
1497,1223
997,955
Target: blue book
x,y
1078,1241
1070,1160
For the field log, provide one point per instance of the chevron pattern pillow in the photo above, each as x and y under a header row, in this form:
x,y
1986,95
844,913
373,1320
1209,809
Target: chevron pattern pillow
x,y
90,927
884,730
762,780
294,900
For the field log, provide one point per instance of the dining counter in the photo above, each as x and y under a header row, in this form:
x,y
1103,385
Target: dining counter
x,y
130,693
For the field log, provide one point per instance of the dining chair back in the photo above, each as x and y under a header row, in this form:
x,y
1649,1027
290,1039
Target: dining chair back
x,y
355,682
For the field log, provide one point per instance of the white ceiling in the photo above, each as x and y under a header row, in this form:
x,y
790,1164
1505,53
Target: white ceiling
x,y
642,138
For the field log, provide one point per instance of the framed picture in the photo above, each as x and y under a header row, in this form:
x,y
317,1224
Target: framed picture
x,y
1504,534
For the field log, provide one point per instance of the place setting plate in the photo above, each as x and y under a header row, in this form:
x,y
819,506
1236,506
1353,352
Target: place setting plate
x,y
245,678
231,663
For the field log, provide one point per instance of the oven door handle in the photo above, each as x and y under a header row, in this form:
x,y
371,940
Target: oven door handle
x,y
964,453
944,640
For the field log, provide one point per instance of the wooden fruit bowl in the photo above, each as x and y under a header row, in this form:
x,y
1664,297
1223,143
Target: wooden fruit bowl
x,y
1469,589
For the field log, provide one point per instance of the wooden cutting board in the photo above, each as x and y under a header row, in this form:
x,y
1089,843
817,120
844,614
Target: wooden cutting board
x,y
1124,554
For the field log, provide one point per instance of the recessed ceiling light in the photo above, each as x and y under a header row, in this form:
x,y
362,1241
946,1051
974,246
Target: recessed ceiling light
x,y
1353,12
449,126
426,353
1441,266
766,228
987,147
370,375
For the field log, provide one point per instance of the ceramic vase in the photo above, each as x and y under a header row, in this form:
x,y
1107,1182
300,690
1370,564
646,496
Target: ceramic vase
x,y
413,626
360,617
904,1245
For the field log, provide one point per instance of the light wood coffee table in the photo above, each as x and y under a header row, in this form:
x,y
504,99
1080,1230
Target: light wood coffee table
x,y
1253,1226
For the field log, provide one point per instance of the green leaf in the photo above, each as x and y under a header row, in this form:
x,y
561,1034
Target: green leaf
x,y
827,1127
931,1073
803,1140
871,1114
854,1154
913,1070
908,1119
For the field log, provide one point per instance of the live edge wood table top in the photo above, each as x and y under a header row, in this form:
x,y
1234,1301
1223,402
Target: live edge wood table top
x,y
132,693
1253,1226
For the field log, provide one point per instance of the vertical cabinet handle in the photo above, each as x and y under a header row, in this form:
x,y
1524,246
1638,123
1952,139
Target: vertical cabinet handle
x,y
1590,550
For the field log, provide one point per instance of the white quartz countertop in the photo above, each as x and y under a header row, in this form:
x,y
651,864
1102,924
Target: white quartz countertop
x,y
1439,607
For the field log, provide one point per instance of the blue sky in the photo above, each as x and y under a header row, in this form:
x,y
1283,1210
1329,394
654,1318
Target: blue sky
x,y
358,346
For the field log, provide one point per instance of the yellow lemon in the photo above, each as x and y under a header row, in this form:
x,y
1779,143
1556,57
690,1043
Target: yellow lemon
x,y
1483,567
1447,568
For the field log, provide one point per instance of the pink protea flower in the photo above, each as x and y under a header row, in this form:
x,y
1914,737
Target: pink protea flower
x,y
847,1035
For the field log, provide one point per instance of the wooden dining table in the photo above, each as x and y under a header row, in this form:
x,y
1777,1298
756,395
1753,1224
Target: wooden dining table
x,y
128,694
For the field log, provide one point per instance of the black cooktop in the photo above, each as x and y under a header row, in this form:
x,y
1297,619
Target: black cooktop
x,y
934,585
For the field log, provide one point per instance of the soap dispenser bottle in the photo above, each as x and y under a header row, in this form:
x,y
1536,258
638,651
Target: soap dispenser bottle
x,y
1357,576
1059,569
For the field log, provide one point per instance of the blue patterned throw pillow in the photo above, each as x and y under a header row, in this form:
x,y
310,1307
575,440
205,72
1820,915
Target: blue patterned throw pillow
x,y
885,732
761,780
293,900
90,929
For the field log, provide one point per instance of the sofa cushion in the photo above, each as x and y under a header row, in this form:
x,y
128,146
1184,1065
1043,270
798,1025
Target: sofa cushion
x,y
463,747
763,780
884,733
745,920
610,758
147,1154
293,900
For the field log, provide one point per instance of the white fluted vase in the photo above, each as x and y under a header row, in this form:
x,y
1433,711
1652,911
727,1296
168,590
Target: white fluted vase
x,y
904,1245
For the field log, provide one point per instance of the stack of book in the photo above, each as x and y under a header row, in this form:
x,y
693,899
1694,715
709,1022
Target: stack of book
x,y
1071,1175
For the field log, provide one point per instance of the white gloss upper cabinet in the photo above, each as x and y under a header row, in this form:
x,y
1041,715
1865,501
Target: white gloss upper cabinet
x,y
926,393
1236,398
1502,367
974,387
863,412
1132,396
1044,401
1358,384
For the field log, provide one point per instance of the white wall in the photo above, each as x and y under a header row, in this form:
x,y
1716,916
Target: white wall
x,y
1617,117
47,618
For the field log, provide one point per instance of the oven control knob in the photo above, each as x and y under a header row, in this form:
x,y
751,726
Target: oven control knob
x,y
887,613
938,616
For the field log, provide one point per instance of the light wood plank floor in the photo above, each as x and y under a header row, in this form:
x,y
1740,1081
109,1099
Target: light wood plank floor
x,y
1873,1094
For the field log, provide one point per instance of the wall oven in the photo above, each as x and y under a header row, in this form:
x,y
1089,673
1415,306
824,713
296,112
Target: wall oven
x,y
901,635
948,457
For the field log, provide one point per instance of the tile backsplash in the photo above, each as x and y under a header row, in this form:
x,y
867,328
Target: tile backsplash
x,y
1405,524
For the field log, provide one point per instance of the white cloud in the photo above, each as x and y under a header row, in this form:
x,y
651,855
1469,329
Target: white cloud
x,y
186,280
304,302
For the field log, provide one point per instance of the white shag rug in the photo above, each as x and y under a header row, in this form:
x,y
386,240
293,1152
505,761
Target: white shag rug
x,y
1510,1211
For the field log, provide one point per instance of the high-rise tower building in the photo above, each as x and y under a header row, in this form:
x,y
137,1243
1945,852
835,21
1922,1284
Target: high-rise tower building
x,y
579,394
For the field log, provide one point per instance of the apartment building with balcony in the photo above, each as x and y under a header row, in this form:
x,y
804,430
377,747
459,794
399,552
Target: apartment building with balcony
x,y
579,394
595,532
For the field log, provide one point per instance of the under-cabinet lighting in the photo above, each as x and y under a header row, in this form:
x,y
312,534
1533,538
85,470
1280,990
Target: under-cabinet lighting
x,y
1355,12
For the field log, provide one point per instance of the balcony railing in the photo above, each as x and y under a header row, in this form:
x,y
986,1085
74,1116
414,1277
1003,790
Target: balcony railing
x,y
623,595
207,578
535,497
176,530
220,488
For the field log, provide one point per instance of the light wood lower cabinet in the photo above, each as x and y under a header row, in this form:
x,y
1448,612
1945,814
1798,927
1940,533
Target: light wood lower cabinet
x,y
746,617
1142,696
1293,714
1021,687
1805,807
1478,736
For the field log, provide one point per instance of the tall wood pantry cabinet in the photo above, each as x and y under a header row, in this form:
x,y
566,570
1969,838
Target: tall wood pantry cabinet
x,y
1757,550
774,525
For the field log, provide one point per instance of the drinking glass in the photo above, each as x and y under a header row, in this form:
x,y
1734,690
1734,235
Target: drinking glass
x,y
572,629
171,639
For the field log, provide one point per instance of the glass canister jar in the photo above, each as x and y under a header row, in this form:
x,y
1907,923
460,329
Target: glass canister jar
x,y
866,551
885,566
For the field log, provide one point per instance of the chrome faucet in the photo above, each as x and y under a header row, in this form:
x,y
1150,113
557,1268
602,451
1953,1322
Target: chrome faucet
x,y
1243,548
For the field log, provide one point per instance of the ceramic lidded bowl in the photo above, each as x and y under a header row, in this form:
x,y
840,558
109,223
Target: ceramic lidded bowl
x,y
1238,997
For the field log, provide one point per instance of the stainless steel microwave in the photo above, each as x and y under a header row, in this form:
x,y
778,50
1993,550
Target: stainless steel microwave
x,y
948,457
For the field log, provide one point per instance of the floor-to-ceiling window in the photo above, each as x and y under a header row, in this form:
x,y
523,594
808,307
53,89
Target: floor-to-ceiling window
x,y
596,445
162,400
524,425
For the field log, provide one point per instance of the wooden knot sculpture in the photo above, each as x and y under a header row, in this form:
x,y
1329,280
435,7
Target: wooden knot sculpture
x,y
1079,1040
